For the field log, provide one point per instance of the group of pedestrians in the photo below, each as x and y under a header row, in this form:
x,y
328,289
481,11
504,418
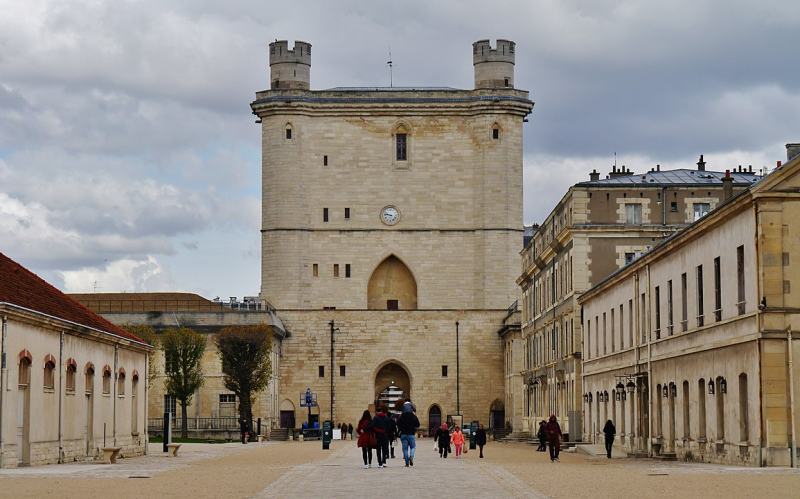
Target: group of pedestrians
x,y
443,437
345,429
550,436
380,433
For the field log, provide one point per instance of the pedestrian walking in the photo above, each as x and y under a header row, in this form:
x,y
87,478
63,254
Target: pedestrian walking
x,y
366,438
609,430
381,426
542,436
392,435
458,441
407,426
553,431
442,438
350,430
480,438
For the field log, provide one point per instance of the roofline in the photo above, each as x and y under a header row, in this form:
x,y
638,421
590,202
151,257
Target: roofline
x,y
146,346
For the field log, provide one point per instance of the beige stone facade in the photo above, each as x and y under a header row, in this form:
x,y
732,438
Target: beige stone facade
x,y
598,227
698,363
376,199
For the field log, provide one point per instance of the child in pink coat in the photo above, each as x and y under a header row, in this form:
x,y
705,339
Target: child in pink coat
x,y
458,441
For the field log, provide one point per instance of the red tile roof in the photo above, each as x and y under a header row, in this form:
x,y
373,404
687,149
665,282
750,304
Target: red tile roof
x,y
19,286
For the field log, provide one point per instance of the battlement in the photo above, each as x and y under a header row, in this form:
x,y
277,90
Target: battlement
x,y
482,51
279,52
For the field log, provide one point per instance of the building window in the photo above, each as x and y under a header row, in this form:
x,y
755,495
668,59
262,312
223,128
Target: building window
x,y
701,410
630,322
347,270
505,81
392,305
717,290
686,420
401,145
670,324
621,327
605,341
342,371
335,270
633,214
288,132
121,384
720,400
588,337
227,405
315,270
324,214
700,210
72,368
135,404
673,206
325,160
495,132
347,213
613,335
684,304
444,371
629,257
88,380
740,301
642,319
658,312
744,427
49,374
107,381
699,296
321,371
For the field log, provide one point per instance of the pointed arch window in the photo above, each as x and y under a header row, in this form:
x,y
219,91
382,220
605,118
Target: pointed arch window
x,y
288,132
392,286
401,144
495,132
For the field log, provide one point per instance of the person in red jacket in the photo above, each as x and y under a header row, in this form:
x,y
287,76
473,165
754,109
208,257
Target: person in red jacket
x,y
553,432
366,438
458,441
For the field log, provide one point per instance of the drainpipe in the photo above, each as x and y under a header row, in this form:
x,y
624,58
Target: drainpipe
x,y
114,395
792,442
60,397
3,381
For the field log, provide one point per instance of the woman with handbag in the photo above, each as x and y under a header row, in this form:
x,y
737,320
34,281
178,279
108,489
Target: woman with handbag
x,y
366,438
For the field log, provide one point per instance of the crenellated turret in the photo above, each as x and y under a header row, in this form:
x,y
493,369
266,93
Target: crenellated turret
x,y
494,67
290,69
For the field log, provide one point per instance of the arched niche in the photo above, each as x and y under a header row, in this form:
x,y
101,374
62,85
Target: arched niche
x,y
392,286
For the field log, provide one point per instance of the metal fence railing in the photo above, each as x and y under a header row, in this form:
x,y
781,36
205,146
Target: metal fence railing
x,y
225,424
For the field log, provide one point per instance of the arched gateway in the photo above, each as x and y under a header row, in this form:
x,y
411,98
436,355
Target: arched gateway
x,y
392,383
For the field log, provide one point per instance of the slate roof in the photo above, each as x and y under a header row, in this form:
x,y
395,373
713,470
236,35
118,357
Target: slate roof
x,y
389,89
21,287
683,176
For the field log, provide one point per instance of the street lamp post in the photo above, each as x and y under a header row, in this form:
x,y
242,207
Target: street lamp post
x,y
458,375
333,330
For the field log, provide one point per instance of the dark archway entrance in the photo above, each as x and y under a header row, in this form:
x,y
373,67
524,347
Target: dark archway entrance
x,y
434,419
497,415
392,383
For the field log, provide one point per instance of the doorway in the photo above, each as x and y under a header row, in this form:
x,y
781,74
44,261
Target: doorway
x,y
497,415
434,419
287,414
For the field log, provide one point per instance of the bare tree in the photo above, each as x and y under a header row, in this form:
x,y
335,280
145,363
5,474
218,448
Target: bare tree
x,y
183,349
246,366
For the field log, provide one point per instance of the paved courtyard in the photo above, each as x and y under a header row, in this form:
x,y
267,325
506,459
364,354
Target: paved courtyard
x,y
293,470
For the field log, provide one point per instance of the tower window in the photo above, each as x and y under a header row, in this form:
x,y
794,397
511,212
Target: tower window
x,y
325,160
335,270
347,213
347,270
324,214
342,371
505,81
392,305
444,371
316,270
401,143
495,133
288,132
321,371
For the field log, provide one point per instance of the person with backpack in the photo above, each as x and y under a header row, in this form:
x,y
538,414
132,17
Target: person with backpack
x,y
381,426
553,431
609,430
480,439
407,426
366,438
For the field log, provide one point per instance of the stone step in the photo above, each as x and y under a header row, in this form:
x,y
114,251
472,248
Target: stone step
x,y
599,450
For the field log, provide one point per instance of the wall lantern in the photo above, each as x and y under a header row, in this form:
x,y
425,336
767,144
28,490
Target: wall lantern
x,y
620,388
631,386
673,389
723,386
605,396
711,387
590,398
665,391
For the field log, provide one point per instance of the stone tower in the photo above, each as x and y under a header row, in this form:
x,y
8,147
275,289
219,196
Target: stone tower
x,y
289,69
393,212
494,67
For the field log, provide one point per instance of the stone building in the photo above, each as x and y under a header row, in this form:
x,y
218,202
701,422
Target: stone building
x,y
698,362
390,215
213,411
597,227
71,382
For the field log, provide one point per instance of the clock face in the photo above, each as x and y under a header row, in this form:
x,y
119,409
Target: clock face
x,y
390,215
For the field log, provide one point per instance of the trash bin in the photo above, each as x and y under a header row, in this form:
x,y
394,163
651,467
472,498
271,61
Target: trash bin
x,y
473,427
327,434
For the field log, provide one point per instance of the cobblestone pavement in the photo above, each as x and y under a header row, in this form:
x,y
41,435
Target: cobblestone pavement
x,y
342,475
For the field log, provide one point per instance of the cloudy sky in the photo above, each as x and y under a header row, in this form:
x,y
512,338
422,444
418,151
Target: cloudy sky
x,y
129,160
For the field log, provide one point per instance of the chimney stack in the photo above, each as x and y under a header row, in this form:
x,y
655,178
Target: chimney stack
x,y
727,186
594,175
792,151
701,165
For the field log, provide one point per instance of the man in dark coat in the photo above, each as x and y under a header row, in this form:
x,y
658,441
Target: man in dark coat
x,y
542,436
442,438
609,430
392,435
407,426
480,438
553,431
381,425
